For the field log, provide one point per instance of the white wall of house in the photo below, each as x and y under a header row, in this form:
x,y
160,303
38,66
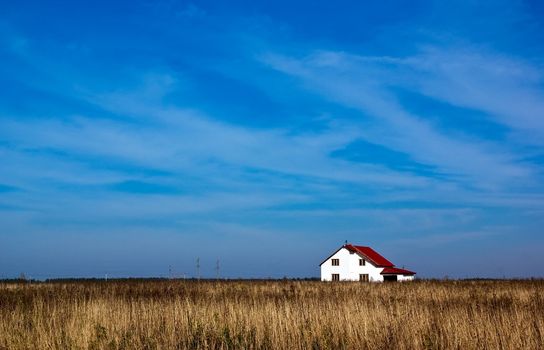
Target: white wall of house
x,y
349,268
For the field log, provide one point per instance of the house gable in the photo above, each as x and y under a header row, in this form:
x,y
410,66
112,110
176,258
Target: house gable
x,y
333,254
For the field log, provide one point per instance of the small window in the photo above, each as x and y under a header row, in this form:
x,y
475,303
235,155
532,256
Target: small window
x,y
335,262
335,277
363,277
362,262
351,252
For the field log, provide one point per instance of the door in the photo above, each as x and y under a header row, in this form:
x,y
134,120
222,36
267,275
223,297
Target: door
x,y
390,278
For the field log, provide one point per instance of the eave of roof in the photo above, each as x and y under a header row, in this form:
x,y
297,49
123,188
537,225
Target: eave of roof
x,y
396,271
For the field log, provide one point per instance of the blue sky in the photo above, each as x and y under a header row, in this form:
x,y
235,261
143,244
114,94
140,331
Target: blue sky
x,y
140,135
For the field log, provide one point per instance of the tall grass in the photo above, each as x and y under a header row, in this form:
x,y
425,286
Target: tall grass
x,y
272,315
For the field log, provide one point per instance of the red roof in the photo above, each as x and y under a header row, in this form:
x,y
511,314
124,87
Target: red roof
x,y
371,255
396,271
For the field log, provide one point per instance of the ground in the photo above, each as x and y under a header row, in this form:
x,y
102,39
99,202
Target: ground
x,y
168,314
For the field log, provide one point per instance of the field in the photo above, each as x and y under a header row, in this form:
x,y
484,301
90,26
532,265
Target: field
x,y
165,314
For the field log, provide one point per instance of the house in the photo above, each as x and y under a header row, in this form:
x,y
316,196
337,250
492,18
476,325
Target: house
x,y
358,263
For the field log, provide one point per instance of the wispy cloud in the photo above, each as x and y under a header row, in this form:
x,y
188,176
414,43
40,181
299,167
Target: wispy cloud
x,y
176,138
507,88
365,83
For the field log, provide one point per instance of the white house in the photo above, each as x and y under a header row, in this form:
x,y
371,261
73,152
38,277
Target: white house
x,y
358,263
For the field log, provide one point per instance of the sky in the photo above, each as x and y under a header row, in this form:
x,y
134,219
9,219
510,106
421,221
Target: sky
x,y
139,136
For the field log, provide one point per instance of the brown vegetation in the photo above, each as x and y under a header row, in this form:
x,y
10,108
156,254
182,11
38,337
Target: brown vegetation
x,y
272,315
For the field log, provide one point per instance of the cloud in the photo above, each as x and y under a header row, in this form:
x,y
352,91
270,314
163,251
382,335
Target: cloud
x,y
366,83
207,166
172,164
176,138
506,88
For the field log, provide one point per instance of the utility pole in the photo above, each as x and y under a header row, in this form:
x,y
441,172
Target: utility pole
x,y
217,269
170,271
198,268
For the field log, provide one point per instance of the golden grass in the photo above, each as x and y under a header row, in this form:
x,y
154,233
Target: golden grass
x,y
272,315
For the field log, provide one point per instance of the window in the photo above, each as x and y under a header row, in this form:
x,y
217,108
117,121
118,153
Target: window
x,y
362,262
363,277
335,277
335,262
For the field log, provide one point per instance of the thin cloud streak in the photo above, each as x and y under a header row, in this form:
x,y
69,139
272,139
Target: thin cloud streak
x,y
353,81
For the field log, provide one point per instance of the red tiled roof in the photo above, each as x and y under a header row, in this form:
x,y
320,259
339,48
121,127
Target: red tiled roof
x,y
396,271
371,254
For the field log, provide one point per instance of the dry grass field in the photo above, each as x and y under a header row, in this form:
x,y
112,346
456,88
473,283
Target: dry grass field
x,y
272,315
